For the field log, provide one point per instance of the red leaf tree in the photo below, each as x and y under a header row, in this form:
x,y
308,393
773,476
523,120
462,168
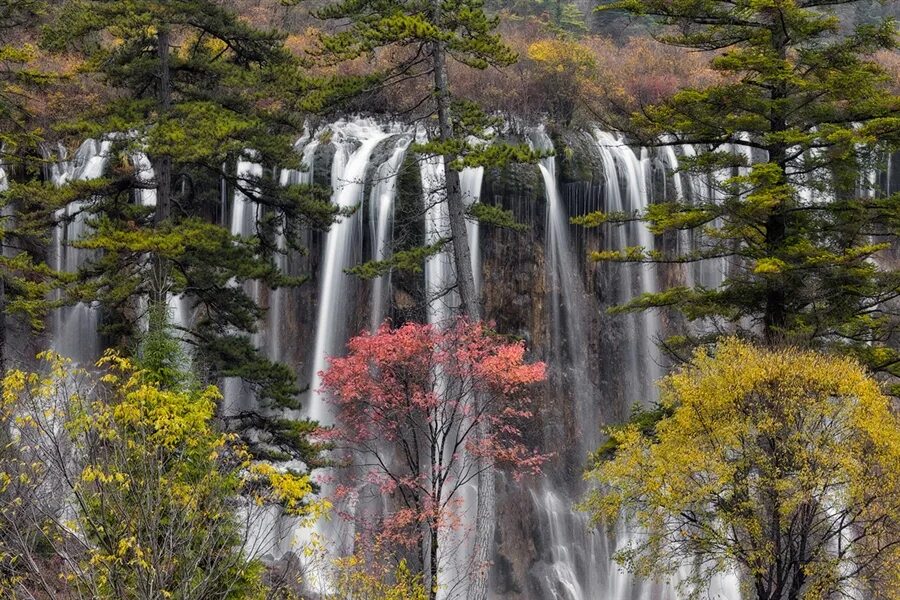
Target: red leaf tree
x,y
408,419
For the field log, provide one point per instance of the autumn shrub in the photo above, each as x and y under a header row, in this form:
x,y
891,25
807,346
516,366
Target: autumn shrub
x,y
367,573
643,71
560,76
890,62
360,578
568,68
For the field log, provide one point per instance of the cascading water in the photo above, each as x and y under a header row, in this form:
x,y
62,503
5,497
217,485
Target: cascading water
x,y
243,222
636,176
440,277
625,190
711,272
146,196
381,219
347,184
572,547
243,210
145,176
568,301
76,327
470,181
683,246
438,268
274,331
442,302
355,143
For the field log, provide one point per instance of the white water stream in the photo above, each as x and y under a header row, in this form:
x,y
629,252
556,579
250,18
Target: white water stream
x,y
75,330
354,143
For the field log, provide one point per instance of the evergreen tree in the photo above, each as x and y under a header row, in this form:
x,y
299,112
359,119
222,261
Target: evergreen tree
x,y
194,88
805,235
423,37
25,280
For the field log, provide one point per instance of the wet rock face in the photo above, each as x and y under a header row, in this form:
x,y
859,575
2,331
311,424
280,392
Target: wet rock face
x,y
407,301
514,289
512,261
517,294
544,549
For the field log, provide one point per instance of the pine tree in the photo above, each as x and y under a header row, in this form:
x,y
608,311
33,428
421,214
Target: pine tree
x,y
806,237
25,280
424,36
194,88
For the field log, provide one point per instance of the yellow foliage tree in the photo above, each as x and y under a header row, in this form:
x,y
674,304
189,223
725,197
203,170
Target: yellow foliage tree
x,y
780,466
122,487
568,68
359,579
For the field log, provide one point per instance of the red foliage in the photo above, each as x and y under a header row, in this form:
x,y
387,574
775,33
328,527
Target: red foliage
x,y
410,401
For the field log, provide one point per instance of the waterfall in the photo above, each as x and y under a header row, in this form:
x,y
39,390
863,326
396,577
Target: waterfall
x,y
625,189
470,180
438,268
245,216
440,276
354,142
442,303
243,209
708,273
237,398
571,571
455,565
178,310
75,333
145,175
381,219
683,245
568,302
711,272
561,557
274,331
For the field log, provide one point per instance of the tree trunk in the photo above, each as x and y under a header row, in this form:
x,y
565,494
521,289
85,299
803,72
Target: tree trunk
x,y
775,317
433,562
485,518
462,254
163,164
163,170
